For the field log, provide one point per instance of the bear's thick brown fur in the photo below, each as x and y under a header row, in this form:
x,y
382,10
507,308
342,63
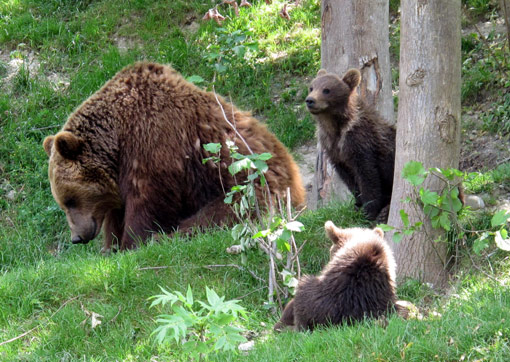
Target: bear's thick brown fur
x,y
130,157
358,282
359,143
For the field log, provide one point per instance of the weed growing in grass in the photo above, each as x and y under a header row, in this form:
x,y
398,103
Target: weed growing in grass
x,y
200,331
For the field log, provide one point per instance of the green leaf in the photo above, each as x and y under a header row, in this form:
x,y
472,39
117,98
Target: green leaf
x,y
414,172
480,243
195,79
428,197
240,165
282,245
385,227
501,240
252,46
500,218
240,50
220,68
189,296
212,147
295,226
212,297
404,217
397,237
261,165
444,220
265,156
228,199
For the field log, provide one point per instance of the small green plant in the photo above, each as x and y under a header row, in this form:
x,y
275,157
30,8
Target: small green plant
x,y
231,48
275,238
497,119
443,208
201,328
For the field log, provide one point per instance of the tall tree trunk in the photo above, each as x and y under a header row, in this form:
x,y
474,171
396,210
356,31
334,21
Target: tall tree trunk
x,y
354,35
428,126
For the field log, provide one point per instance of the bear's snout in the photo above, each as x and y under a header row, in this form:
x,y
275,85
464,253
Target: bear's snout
x,y
310,102
78,240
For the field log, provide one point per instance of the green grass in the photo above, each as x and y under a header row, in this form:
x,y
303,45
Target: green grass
x,y
48,286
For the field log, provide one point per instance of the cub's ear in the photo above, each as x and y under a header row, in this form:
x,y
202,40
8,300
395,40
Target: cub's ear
x,y
352,77
321,72
335,234
68,145
47,143
379,232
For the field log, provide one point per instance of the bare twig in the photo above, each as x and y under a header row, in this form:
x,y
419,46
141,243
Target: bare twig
x,y
154,267
116,315
253,291
42,324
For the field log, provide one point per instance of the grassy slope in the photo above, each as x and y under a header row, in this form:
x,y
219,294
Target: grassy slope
x,y
40,270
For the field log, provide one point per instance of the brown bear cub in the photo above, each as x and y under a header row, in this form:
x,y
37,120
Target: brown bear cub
x,y
129,158
359,143
357,283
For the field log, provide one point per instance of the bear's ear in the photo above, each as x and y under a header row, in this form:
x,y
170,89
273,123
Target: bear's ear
x,y
321,72
335,234
47,143
379,232
68,145
352,77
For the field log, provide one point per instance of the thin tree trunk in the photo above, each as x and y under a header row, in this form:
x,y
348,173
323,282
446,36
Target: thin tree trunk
x,y
428,123
354,35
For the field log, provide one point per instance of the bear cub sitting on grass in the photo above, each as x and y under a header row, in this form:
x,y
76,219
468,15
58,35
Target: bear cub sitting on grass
x,y
358,142
358,282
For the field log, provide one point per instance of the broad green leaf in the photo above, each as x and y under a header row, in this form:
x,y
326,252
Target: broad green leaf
x,y
282,245
502,241
265,156
428,197
295,226
195,79
397,237
261,165
500,218
212,147
240,165
445,222
480,243
385,227
212,297
414,172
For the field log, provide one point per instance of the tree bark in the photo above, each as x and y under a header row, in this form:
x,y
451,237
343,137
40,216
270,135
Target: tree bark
x,y
354,35
428,124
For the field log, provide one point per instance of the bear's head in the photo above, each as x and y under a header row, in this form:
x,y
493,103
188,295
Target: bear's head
x,y
340,237
80,185
329,93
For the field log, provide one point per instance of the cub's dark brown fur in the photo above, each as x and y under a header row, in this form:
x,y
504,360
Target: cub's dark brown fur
x,y
359,143
358,282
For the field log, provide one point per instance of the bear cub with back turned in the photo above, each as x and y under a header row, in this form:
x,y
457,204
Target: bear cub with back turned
x,y
358,282
359,143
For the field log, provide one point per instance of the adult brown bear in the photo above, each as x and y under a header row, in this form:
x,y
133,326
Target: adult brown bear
x,y
130,157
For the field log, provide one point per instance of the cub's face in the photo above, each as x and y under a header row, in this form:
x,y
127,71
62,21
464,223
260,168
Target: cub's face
x,y
330,92
81,190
